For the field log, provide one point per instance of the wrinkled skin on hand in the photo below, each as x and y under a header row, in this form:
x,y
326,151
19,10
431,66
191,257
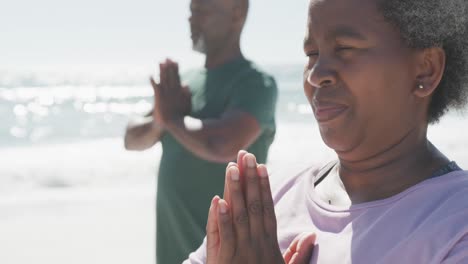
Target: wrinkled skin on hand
x,y
242,227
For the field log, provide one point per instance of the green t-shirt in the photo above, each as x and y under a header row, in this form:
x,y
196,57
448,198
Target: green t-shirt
x,y
187,183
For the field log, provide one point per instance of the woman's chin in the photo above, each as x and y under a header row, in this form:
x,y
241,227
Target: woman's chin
x,y
339,141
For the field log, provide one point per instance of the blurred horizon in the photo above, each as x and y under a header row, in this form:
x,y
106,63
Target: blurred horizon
x,y
103,35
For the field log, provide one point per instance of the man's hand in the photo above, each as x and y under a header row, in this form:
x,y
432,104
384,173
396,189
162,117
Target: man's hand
x,y
172,101
242,229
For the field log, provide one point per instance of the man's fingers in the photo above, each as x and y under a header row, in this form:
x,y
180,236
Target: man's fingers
x,y
157,92
171,76
162,75
154,85
164,72
226,232
186,90
176,75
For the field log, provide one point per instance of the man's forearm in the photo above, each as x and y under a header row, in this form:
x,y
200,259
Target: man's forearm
x,y
142,134
214,140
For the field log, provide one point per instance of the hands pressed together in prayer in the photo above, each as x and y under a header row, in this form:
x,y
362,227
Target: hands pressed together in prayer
x,y
172,100
241,228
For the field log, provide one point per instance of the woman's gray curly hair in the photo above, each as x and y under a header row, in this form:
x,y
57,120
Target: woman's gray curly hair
x,y
441,23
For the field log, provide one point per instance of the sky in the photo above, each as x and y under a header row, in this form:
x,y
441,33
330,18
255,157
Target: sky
x,y
99,34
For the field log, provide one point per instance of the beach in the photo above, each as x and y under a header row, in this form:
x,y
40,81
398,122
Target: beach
x,y
96,206
69,203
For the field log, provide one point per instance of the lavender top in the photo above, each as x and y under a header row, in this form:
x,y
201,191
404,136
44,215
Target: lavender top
x,y
427,223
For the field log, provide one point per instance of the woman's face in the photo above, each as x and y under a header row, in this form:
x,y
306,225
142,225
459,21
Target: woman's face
x,y
359,78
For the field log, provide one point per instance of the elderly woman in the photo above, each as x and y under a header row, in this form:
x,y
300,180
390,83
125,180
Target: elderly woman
x,y
378,72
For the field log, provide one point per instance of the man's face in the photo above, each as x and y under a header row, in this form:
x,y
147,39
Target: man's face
x,y
210,24
358,79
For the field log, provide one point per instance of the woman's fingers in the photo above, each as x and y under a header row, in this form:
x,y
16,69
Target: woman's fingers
x,y
240,165
305,249
248,217
301,249
212,232
240,160
227,180
268,207
240,215
253,197
291,250
226,233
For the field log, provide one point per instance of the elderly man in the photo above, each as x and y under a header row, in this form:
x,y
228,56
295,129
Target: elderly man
x,y
226,106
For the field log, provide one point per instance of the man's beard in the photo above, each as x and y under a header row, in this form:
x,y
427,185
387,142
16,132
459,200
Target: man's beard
x,y
199,45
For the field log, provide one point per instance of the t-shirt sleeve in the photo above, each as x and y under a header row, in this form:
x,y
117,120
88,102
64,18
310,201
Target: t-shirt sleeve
x,y
256,94
198,256
459,253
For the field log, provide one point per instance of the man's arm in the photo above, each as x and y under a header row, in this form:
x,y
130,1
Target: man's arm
x,y
216,140
142,133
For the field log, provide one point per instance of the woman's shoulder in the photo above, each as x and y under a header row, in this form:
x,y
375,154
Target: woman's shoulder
x,y
303,178
450,186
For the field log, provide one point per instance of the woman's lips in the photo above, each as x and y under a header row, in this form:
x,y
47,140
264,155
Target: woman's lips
x,y
325,112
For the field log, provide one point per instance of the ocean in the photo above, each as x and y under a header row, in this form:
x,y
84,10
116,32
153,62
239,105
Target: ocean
x,y
65,131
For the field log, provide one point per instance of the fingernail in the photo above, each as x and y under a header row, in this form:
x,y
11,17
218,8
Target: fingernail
x,y
212,202
262,171
242,152
250,161
222,206
234,172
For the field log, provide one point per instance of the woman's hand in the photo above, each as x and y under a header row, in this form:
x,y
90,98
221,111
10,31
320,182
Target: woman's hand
x,y
242,228
301,249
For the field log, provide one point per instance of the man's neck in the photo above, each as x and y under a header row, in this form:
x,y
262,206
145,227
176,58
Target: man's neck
x,y
222,56
392,171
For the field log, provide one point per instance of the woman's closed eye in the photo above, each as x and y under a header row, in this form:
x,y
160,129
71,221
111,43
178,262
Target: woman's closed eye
x,y
312,53
344,48
339,49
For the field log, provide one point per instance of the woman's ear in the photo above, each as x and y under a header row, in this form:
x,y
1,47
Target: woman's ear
x,y
430,72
